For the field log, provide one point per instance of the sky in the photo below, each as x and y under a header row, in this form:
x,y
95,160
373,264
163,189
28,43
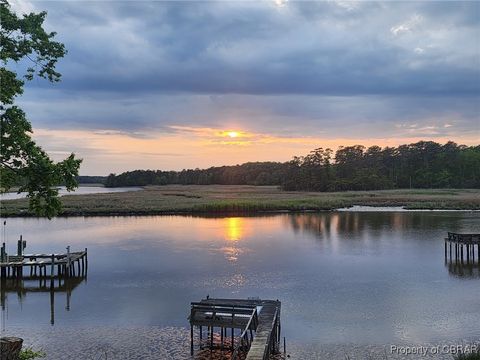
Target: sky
x,y
173,85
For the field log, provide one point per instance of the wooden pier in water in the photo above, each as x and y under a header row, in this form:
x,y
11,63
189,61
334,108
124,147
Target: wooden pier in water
x,y
250,329
462,255
461,247
69,264
53,273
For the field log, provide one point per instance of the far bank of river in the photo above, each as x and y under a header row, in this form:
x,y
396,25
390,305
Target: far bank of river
x,y
244,200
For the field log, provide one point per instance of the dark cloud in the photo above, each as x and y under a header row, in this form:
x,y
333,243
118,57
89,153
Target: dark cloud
x,y
248,48
305,65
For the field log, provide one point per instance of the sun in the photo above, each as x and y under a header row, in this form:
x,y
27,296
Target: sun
x,y
232,134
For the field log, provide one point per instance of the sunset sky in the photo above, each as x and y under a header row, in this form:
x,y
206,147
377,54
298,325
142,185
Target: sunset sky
x,y
173,85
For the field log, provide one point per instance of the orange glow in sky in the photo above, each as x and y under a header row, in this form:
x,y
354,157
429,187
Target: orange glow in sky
x,y
185,147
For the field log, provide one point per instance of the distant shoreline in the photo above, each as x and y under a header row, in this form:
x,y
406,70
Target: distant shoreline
x,y
219,200
66,214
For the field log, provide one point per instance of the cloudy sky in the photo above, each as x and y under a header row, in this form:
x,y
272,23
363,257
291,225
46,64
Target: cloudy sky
x,y
172,85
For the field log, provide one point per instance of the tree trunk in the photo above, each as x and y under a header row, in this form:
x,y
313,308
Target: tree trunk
x,y
10,348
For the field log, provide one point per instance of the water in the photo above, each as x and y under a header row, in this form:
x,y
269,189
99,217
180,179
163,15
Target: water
x,y
81,190
364,278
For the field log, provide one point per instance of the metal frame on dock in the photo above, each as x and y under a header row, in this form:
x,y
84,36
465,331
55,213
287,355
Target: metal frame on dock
x,y
254,326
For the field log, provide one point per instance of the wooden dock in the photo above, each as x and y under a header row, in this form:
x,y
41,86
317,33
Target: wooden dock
x,y
249,328
43,265
461,247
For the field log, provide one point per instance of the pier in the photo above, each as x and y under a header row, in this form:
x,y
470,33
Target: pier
x,y
462,255
33,273
250,329
69,264
461,248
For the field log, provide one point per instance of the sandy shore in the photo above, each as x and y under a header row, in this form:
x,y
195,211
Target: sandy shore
x,y
172,343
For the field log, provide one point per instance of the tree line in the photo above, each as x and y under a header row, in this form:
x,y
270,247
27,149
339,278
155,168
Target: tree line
x,y
425,164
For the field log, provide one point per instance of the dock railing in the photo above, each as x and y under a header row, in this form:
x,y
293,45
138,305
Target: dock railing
x,y
274,339
246,338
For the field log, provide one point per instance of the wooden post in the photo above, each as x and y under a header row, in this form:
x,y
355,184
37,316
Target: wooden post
x,y
52,266
211,338
68,272
86,261
445,249
221,338
201,336
191,339
233,338
3,258
69,293
52,304
20,246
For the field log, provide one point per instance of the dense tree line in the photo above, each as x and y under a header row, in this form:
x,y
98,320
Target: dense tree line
x,y
82,179
258,173
425,164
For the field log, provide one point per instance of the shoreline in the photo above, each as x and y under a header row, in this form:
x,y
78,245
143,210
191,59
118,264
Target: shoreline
x,y
386,209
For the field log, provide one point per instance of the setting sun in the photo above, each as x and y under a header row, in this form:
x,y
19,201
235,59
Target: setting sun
x,y
232,134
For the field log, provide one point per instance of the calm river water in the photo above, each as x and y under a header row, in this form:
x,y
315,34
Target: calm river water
x,y
344,278
81,190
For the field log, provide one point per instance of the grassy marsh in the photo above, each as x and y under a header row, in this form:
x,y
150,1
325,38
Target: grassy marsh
x,y
172,199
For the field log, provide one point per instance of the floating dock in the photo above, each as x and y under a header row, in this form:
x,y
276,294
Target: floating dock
x,y
250,329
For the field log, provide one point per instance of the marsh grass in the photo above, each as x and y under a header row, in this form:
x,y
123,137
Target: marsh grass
x,y
178,199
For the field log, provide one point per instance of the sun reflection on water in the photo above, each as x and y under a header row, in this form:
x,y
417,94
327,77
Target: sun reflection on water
x,y
233,234
233,228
